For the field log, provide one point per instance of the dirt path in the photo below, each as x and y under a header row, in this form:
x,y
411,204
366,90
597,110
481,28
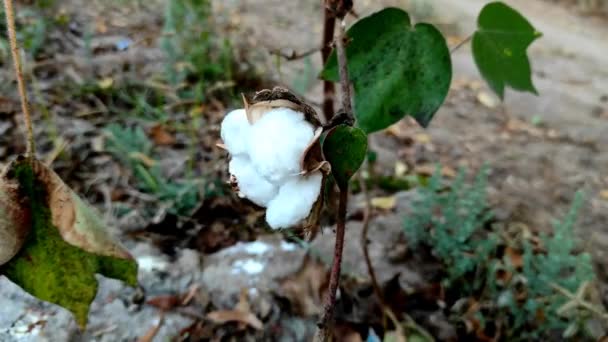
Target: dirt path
x,y
541,149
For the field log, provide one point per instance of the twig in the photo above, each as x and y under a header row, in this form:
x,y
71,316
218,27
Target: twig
x,y
294,55
325,326
459,45
364,244
343,68
329,89
25,107
578,300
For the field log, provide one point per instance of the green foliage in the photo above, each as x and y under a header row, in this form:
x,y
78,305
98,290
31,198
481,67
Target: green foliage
x,y
561,264
499,48
32,30
53,270
452,222
396,69
345,149
195,53
133,148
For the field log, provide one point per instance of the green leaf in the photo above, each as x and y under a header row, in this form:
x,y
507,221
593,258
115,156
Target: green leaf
x,y
345,149
52,269
396,69
499,48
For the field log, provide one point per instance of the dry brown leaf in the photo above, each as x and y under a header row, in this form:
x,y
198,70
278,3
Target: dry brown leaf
x,y
400,169
487,99
150,334
160,135
515,257
15,218
305,288
78,223
604,194
429,170
226,316
147,161
422,138
384,203
241,314
105,83
166,302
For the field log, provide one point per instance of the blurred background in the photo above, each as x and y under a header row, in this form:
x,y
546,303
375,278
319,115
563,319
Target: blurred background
x,y
128,95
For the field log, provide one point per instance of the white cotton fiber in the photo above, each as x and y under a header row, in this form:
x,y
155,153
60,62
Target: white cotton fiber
x,y
235,132
295,200
251,184
278,141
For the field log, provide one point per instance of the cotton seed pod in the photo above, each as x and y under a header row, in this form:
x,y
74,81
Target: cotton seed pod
x,y
274,142
15,217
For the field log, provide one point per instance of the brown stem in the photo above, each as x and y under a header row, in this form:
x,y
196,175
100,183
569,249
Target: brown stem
x,y
25,107
329,89
364,240
459,45
343,68
325,326
294,55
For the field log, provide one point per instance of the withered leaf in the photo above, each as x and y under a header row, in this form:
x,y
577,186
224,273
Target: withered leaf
x,y
15,218
67,244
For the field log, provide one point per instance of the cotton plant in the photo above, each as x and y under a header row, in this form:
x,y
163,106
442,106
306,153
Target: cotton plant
x,y
275,156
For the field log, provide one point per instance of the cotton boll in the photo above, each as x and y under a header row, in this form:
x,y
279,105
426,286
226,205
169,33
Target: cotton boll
x,y
251,184
294,201
235,132
278,140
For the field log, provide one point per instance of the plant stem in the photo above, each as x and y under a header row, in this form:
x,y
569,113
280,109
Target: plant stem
x,y
368,262
343,68
25,107
325,326
324,332
459,45
329,89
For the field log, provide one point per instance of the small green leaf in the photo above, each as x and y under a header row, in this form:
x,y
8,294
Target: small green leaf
x,y
396,69
499,48
345,149
50,268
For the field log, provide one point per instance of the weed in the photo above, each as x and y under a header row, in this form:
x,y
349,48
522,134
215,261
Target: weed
x,y
134,150
518,280
195,55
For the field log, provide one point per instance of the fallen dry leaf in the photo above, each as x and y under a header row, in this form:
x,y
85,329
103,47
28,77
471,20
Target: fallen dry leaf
x,y
422,138
604,194
384,203
487,99
225,316
429,170
105,83
160,135
305,288
15,218
150,334
515,257
400,169
78,223
241,314
166,302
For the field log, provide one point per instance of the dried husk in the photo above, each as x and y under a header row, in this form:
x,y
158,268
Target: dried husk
x,y
15,217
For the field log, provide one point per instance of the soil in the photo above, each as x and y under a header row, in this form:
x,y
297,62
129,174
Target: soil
x,y
540,150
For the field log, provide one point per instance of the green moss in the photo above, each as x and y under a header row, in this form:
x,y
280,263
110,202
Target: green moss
x,y
53,270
